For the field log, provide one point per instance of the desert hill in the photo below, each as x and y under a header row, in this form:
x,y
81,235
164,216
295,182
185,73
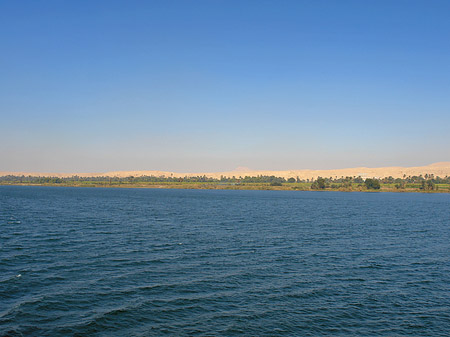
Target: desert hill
x,y
440,169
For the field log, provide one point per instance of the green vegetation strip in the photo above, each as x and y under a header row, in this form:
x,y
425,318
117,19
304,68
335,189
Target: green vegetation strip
x,y
427,183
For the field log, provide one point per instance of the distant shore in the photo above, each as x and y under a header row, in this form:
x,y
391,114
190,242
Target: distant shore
x,y
434,178
441,188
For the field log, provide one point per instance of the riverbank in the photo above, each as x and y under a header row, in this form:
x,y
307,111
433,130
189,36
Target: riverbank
x,y
413,188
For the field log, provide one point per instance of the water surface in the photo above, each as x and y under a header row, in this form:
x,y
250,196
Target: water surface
x,y
149,262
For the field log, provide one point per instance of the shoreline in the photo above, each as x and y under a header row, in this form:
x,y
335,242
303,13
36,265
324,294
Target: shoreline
x,y
209,186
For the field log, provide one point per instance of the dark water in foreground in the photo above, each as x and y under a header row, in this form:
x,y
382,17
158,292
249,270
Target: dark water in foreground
x,y
146,262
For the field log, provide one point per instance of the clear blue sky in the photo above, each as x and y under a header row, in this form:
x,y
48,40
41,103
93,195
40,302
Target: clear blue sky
x,y
91,86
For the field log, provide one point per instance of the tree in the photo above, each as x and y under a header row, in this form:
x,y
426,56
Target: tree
x,y
427,186
291,180
319,184
372,184
399,183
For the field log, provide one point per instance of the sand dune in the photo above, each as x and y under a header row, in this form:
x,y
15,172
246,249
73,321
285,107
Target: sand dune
x,y
441,169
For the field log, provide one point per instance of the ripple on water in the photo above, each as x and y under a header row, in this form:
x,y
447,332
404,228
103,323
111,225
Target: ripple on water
x,y
121,262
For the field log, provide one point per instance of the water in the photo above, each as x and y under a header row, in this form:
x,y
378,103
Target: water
x,y
148,262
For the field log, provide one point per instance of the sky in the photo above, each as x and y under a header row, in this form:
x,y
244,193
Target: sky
x,y
204,86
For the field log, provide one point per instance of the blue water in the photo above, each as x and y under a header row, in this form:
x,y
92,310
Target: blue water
x,y
149,262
